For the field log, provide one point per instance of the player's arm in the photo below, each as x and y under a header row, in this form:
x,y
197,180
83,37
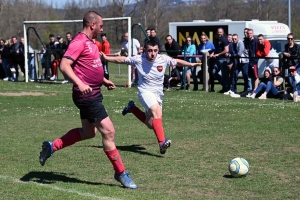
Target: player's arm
x,y
183,63
66,69
114,59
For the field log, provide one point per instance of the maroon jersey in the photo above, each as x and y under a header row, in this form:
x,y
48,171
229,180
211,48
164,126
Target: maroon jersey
x,y
87,65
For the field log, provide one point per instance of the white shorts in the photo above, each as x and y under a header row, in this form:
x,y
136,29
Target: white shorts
x,y
148,99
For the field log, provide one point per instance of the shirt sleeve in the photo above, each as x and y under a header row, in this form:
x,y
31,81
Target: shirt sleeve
x,y
170,61
74,50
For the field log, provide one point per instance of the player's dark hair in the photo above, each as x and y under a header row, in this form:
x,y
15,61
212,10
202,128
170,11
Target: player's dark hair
x,y
103,34
89,17
151,43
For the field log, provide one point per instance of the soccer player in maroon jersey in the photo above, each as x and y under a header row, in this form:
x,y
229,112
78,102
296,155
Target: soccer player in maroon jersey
x,y
82,65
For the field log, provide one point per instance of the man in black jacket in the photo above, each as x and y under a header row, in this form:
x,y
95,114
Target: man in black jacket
x,y
154,38
172,47
253,68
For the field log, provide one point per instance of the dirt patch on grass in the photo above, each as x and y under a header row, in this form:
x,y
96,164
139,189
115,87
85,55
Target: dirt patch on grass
x,y
18,94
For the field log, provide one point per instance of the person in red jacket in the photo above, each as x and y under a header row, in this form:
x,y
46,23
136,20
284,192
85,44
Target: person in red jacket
x,y
98,44
106,51
263,47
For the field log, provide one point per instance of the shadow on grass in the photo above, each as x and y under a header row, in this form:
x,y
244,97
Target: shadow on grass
x,y
52,177
229,176
133,148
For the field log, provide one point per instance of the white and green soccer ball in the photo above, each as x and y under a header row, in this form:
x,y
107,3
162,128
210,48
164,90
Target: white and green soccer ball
x,y
238,167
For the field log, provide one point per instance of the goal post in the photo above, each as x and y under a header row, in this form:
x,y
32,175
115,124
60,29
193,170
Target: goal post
x,y
25,23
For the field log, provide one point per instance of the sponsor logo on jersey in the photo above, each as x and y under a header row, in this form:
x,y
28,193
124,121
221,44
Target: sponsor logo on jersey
x,y
159,68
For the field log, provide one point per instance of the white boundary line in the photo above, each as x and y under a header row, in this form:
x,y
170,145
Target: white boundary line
x,y
58,188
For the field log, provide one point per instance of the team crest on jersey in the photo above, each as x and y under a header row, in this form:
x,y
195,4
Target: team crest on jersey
x,y
159,68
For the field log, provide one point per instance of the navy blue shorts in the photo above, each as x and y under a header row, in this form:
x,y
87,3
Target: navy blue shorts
x,y
91,109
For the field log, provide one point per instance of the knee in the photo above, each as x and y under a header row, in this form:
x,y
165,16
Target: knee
x,y
109,134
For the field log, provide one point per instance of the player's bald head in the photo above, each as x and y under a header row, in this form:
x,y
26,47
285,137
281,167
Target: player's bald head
x,y
90,17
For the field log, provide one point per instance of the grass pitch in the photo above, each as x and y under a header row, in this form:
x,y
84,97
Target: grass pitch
x,y
207,131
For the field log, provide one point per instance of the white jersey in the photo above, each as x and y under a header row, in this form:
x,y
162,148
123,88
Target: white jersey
x,y
136,45
151,74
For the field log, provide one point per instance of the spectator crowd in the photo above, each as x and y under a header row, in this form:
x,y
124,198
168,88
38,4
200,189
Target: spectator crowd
x,y
228,54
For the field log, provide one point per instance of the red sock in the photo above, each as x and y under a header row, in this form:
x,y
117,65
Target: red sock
x,y
68,139
138,113
158,130
115,159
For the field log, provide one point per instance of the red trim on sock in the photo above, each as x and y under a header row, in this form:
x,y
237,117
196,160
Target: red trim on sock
x,y
68,139
115,159
138,113
158,130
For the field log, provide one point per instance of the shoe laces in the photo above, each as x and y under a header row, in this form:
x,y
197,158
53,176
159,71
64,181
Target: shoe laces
x,y
127,177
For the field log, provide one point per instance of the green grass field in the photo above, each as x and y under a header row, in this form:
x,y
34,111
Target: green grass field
x,y
207,131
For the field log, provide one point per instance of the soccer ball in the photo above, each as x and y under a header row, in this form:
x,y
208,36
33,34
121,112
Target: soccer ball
x,y
238,167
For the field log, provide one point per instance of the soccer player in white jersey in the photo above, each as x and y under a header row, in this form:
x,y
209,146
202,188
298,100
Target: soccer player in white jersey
x,y
151,68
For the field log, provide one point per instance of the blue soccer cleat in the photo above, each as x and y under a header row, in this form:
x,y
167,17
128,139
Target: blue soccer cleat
x,y
125,180
127,108
164,146
46,152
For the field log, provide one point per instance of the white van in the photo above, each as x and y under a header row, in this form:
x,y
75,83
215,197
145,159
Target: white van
x,y
273,31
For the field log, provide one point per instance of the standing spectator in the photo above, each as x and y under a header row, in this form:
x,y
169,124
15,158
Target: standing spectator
x,y
69,38
43,62
221,48
50,56
21,60
105,50
238,65
245,61
153,37
231,63
205,45
151,67
31,71
60,49
136,49
98,44
15,58
135,46
291,54
172,47
148,32
82,65
5,54
189,49
264,49
253,68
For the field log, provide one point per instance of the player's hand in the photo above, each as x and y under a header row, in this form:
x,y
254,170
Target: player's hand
x,y
196,64
85,89
109,84
103,56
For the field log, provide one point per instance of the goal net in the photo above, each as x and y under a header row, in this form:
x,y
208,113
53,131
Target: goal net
x,y
36,36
